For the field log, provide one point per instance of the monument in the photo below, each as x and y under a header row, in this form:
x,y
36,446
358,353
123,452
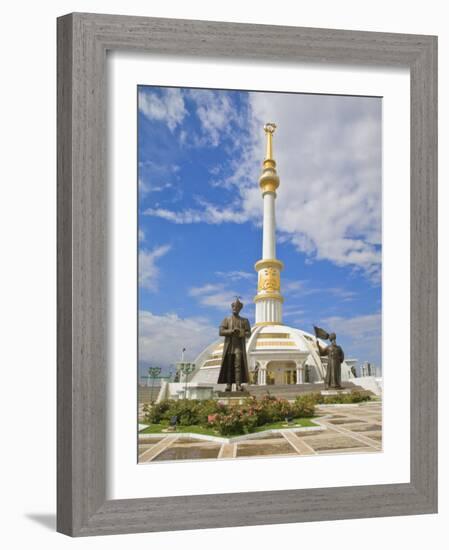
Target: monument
x,y
271,352
335,358
234,363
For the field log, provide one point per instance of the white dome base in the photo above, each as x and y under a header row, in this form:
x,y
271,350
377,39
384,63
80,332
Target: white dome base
x,y
277,354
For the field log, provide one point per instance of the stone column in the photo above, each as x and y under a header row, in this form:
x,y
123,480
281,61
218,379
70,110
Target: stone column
x,y
299,372
263,373
269,226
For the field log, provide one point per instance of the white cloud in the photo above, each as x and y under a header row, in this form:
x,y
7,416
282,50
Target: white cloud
x,y
345,295
301,288
292,311
328,152
146,186
358,327
215,112
296,288
148,270
214,295
167,106
236,275
162,337
215,170
141,235
209,213
205,289
219,296
363,334
143,187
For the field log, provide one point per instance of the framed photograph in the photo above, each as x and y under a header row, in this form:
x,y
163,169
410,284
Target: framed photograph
x,y
247,274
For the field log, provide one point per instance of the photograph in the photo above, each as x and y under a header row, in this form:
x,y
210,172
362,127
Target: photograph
x,y
260,274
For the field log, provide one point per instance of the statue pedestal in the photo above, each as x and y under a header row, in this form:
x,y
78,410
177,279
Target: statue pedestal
x,y
243,393
232,397
334,392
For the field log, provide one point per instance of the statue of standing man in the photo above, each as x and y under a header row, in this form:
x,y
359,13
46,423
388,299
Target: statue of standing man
x,y
335,358
234,363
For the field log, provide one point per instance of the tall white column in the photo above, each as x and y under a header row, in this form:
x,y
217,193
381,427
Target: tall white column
x,y
299,373
269,226
269,298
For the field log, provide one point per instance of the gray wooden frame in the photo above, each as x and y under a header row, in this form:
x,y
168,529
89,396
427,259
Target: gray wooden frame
x,y
83,40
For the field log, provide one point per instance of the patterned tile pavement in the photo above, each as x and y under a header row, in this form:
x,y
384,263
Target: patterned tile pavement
x,y
345,429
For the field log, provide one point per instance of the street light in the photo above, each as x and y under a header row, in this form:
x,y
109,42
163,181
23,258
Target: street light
x,y
153,373
185,369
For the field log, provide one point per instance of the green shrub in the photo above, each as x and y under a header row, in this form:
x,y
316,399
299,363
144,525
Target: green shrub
x,y
355,396
186,411
304,405
208,408
240,419
157,412
229,424
317,397
270,409
278,409
236,422
358,396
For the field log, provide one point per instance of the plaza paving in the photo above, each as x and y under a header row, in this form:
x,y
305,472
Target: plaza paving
x,y
344,429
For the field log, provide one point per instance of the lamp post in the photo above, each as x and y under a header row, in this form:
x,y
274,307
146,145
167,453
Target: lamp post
x,y
185,369
153,373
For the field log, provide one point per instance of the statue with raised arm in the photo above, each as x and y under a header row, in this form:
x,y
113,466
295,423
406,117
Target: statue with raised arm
x,y
335,358
234,363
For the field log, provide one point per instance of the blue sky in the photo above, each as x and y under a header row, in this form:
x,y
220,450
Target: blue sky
x,y
200,211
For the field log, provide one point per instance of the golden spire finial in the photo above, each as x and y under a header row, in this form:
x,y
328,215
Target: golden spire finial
x,y
269,128
269,180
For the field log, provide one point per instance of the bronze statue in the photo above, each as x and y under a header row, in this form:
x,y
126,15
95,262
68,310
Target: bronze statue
x,y
335,358
234,363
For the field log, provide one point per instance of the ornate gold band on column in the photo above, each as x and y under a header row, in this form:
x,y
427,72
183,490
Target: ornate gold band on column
x,y
269,296
269,279
269,263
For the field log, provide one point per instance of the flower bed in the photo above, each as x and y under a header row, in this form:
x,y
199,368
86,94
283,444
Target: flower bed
x,y
245,418
355,396
231,419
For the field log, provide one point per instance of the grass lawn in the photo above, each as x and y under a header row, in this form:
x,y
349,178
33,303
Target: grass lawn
x,y
158,428
281,425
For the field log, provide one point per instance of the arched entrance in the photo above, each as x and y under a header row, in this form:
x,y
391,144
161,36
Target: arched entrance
x,y
281,373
